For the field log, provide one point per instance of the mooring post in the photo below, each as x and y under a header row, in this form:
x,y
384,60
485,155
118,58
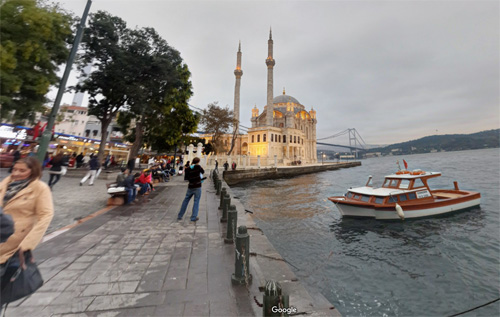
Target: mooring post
x,y
232,221
218,187
222,194
225,207
242,258
275,303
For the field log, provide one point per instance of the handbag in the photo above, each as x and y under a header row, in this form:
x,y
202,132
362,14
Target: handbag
x,y
22,283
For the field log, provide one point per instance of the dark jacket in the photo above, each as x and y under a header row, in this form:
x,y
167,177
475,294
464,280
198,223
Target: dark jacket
x,y
131,165
128,183
193,175
56,165
94,163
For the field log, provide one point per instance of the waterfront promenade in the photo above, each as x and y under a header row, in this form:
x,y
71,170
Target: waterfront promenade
x,y
140,261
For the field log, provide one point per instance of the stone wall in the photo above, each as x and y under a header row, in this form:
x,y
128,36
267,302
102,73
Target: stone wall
x,y
238,176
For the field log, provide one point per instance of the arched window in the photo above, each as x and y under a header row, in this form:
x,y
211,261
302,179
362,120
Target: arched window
x,y
264,137
284,139
272,137
253,138
258,137
279,139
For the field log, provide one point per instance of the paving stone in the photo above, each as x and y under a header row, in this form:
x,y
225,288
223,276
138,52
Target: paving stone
x,y
76,305
108,302
40,299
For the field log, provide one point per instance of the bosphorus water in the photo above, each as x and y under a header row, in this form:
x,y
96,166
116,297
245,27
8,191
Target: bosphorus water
x,y
425,267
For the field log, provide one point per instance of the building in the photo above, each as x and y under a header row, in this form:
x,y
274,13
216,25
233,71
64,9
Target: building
x,y
72,120
284,132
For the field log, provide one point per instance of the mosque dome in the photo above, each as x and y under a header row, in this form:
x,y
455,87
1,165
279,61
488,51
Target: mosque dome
x,y
284,99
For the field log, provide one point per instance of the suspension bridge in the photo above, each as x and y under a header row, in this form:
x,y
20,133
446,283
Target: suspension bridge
x,y
356,142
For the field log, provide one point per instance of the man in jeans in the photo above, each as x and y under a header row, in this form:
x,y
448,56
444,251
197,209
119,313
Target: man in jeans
x,y
194,176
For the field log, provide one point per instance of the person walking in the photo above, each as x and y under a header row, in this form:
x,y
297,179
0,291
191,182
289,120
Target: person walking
x,y
226,166
131,164
194,175
216,166
233,166
79,160
93,167
184,170
28,201
56,169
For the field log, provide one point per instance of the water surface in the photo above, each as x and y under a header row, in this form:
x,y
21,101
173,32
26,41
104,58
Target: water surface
x,y
427,267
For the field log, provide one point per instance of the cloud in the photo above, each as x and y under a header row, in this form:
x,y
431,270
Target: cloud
x,y
394,70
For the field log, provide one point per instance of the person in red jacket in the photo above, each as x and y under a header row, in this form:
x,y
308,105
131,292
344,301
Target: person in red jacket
x,y
145,181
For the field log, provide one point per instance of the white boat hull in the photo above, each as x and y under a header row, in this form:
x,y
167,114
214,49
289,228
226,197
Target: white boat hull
x,y
357,211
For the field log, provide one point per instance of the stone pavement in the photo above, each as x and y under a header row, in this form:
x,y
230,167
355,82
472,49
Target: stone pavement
x,y
139,260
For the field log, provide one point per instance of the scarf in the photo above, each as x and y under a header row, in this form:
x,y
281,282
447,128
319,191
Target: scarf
x,y
14,188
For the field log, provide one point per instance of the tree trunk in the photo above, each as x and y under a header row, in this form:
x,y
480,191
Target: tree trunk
x,y
104,135
139,132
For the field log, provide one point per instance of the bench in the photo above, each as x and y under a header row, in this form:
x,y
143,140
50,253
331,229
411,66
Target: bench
x,y
118,197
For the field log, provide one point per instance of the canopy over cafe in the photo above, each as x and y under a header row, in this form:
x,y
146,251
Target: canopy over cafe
x,y
24,139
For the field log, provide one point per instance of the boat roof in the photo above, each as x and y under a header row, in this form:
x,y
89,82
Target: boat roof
x,y
410,176
381,191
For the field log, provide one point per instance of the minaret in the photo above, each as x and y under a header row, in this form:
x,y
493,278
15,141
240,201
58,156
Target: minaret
x,y
237,73
270,65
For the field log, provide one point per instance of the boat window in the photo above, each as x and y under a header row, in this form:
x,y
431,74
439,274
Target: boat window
x,y
392,199
394,183
386,183
356,196
405,183
402,197
365,198
412,196
349,195
379,200
418,183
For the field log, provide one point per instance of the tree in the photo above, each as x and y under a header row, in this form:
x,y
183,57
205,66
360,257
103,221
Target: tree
x,y
158,101
216,121
34,39
109,83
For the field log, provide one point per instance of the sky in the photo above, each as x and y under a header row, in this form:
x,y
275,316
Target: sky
x,y
393,70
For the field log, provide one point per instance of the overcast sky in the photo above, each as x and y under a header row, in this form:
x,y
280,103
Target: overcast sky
x,y
394,70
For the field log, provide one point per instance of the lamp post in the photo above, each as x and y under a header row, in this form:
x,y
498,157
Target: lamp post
x,y
47,133
322,158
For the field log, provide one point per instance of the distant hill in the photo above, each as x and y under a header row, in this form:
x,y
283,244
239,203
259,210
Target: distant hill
x,y
447,142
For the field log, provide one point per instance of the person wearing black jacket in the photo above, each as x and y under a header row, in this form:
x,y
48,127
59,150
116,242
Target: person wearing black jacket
x,y
194,174
55,172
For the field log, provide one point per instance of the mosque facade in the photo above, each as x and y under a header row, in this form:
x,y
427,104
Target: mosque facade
x,y
284,132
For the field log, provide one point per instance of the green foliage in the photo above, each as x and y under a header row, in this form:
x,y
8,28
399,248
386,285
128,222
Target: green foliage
x,y
34,39
216,121
108,85
448,142
158,100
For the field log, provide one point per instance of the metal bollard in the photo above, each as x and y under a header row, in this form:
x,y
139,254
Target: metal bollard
x,y
274,298
225,207
232,221
242,260
218,187
222,193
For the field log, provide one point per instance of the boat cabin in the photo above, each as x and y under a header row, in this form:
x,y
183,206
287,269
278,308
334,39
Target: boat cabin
x,y
397,188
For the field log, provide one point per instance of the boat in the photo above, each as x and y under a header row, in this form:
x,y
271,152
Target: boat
x,y
405,194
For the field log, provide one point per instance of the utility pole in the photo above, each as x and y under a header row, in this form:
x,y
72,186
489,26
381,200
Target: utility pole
x,y
47,133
